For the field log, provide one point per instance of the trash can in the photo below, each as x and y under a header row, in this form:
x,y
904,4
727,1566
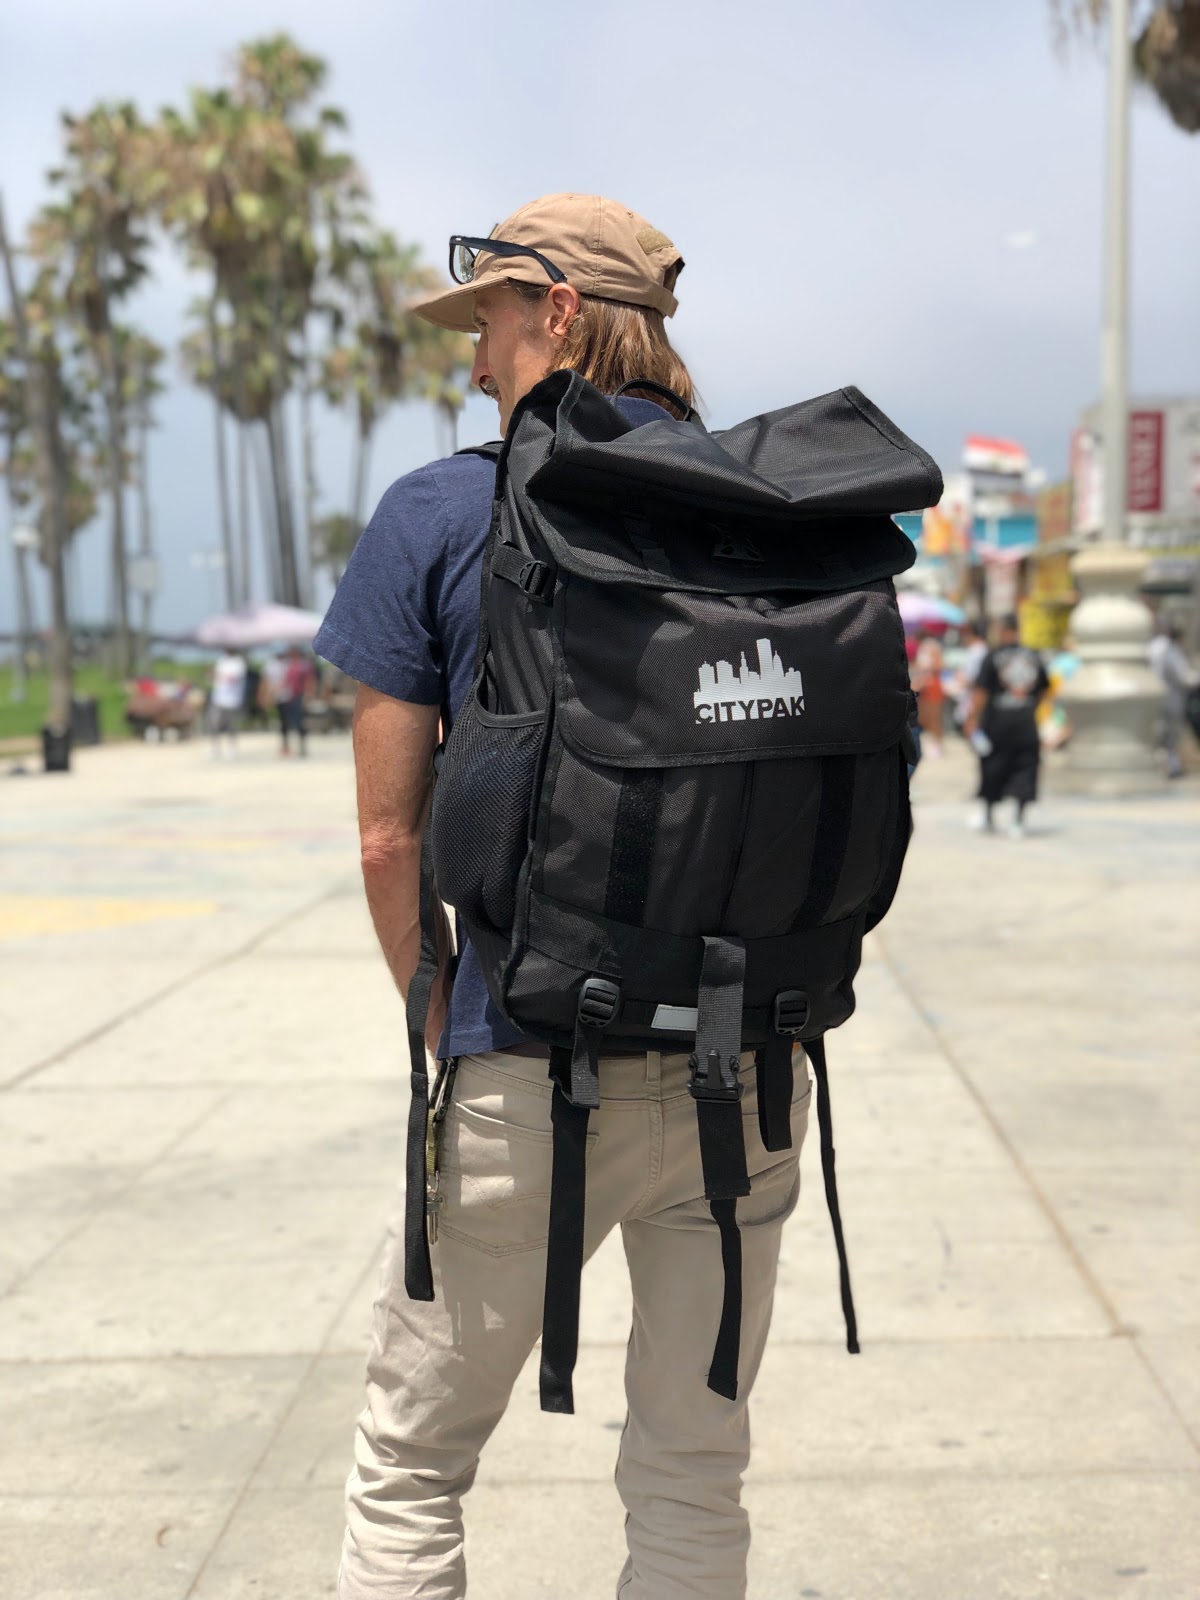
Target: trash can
x,y
85,720
56,749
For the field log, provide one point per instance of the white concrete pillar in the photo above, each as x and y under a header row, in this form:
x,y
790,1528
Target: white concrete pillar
x,y
1114,701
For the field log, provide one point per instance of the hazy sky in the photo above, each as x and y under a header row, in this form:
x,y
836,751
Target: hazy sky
x,y
905,197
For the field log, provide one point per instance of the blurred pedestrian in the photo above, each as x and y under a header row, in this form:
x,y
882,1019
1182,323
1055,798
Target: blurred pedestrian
x,y
973,638
225,702
296,684
930,691
1169,663
252,706
1003,726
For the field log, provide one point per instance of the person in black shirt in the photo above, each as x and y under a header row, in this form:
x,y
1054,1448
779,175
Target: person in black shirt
x,y
1003,725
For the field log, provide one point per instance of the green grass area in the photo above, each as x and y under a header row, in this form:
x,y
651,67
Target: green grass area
x,y
24,719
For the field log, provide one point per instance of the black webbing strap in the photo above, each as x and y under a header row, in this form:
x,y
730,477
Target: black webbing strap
x,y
418,1270
773,1071
533,577
564,1244
831,839
717,1090
816,1054
585,1067
639,806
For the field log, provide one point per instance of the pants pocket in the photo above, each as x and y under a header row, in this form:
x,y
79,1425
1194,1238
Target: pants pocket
x,y
496,1163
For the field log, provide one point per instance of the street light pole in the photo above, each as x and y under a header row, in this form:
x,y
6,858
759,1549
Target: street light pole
x,y
1113,701
1115,334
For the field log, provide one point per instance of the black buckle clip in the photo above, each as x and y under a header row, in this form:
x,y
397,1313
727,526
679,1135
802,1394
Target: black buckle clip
x,y
537,580
599,1002
716,1080
791,1011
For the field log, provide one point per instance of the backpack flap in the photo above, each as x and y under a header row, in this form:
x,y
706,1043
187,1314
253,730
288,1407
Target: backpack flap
x,y
676,678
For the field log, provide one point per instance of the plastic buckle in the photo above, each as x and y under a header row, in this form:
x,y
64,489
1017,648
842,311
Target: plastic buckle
x,y
791,1011
537,580
716,1080
599,1002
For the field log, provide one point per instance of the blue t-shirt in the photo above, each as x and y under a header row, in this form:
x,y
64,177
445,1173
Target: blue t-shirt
x,y
405,621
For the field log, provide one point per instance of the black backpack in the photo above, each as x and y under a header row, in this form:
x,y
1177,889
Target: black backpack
x,y
677,796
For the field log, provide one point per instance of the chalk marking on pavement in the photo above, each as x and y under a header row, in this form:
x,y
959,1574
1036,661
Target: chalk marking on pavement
x,y
175,986
1117,1326
32,916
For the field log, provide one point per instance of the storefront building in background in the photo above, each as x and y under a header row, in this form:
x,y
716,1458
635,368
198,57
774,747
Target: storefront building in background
x,y
1163,501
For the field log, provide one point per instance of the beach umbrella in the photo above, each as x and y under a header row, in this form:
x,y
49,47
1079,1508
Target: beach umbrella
x,y
928,611
253,626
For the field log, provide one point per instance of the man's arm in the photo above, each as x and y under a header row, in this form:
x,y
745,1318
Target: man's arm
x,y
394,741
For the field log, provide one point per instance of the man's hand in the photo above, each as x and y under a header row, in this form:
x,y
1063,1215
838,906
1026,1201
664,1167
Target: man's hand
x,y
394,742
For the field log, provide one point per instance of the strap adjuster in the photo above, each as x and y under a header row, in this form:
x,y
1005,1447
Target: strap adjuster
x,y
536,579
792,1011
716,1079
599,1002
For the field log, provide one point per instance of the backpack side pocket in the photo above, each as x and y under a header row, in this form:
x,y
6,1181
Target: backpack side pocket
x,y
481,806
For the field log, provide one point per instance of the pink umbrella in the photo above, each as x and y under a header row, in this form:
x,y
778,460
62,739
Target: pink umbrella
x,y
928,611
258,625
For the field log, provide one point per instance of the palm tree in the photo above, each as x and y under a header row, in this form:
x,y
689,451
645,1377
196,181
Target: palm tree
x,y
445,360
381,352
334,539
17,469
33,341
256,193
1166,48
142,362
93,238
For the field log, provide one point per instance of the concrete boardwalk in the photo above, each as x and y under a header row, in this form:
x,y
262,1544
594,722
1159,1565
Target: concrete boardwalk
x,y
200,1136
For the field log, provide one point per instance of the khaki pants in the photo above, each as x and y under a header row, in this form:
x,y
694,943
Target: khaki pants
x,y
440,1373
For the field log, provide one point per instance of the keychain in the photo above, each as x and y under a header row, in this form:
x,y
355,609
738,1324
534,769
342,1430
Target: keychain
x,y
439,1105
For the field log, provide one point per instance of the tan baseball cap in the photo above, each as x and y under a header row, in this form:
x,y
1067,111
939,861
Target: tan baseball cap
x,y
604,249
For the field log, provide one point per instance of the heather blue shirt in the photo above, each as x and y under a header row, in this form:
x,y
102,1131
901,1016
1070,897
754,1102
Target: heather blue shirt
x,y
405,621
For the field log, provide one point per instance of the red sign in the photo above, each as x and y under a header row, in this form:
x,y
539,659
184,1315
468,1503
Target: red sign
x,y
1145,461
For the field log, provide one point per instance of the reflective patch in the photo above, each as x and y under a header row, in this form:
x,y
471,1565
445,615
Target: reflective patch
x,y
678,1019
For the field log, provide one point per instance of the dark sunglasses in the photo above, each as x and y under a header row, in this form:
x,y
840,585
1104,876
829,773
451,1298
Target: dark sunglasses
x,y
465,251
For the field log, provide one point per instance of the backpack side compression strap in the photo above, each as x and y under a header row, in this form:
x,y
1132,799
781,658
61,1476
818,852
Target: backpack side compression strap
x,y
816,1054
717,1090
418,1269
564,1241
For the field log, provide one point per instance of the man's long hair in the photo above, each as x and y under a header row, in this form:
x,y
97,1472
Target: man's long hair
x,y
610,343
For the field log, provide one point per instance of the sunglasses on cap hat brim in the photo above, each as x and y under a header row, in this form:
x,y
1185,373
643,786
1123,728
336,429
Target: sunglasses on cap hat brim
x,y
465,251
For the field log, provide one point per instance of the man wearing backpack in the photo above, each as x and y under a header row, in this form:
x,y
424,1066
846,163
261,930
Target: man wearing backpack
x,y
501,1153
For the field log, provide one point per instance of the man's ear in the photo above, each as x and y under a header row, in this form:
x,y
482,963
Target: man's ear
x,y
563,302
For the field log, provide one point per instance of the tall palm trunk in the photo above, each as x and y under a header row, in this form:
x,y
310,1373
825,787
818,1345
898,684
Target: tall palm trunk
x,y
308,464
145,534
114,413
44,410
259,447
245,448
364,438
289,579
224,515
243,522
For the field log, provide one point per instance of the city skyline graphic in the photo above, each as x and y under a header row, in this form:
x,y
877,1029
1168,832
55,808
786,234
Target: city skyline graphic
x,y
740,692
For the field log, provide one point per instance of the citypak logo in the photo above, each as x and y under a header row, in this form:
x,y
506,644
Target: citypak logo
x,y
750,694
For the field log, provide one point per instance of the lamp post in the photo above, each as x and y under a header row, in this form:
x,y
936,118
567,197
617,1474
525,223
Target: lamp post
x,y
25,538
1113,701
